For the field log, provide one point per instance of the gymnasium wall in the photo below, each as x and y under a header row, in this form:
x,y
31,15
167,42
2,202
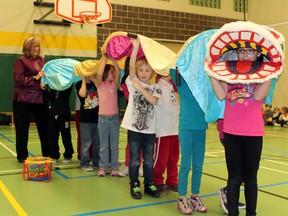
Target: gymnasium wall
x,y
171,23
174,21
274,14
17,23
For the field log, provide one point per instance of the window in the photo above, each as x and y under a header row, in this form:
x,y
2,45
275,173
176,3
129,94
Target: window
x,y
206,3
240,6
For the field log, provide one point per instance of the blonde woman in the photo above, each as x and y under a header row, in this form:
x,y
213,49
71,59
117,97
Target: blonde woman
x,y
28,99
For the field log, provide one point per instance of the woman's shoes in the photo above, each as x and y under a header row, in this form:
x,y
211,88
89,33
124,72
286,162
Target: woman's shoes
x,y
102,173
114,173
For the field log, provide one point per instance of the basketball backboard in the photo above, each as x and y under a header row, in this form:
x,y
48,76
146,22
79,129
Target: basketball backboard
x,y
70,10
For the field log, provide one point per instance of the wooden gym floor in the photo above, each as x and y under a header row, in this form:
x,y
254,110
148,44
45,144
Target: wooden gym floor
x,y
75,192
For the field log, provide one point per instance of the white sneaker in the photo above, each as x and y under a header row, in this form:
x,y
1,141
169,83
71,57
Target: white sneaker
x,y
124,172
141,171
197,204
222,193
184,207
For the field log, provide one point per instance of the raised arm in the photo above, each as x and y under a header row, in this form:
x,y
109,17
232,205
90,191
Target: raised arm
x,y
133,58
83,90
101,70
262,90
220,88
117,71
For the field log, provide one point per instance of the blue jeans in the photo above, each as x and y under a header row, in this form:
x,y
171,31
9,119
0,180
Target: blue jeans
x,y
192,145
109,128
146,142
89,136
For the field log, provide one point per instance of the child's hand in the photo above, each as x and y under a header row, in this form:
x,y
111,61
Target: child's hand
x,y
105,56
136,85
111,59
93,79
135,42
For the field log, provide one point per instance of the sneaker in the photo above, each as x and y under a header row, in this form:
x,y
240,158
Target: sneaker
x,y
87,168
66,160
124,172
222,193
151,190
114,173
197,205
172,188
101,173
141,171
160,188
135,191
184,207
278,125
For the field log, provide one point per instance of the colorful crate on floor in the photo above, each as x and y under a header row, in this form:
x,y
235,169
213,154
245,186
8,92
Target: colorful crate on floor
x,y
37,169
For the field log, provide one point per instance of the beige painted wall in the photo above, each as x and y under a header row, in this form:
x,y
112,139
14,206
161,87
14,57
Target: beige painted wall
x,y
17,19
274,14
17,23
184,6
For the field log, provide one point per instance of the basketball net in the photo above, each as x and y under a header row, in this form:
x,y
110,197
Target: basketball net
x,y
90,19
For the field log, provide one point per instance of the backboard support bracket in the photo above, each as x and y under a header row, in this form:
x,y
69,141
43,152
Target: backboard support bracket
x,y
43,20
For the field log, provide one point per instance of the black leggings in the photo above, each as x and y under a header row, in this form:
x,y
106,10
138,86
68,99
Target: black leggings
x,y
243,155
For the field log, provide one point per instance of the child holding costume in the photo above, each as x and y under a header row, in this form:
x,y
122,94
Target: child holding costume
x,y
166,154
243,134
59,122
139,120
108,77
192,137
125,170
88,122
243,90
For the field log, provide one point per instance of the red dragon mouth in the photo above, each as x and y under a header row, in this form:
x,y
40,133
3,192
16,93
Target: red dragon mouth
x,y
222,62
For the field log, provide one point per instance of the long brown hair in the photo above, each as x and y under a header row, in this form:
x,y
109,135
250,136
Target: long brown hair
x,y
106,71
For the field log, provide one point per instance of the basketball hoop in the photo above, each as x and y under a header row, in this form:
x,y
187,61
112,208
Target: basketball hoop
x,y
90,17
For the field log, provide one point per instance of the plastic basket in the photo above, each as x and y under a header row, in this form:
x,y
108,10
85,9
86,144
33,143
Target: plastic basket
x,y
37,169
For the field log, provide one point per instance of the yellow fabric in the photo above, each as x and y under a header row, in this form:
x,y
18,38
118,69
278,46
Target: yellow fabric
x,y
87,68
158,56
